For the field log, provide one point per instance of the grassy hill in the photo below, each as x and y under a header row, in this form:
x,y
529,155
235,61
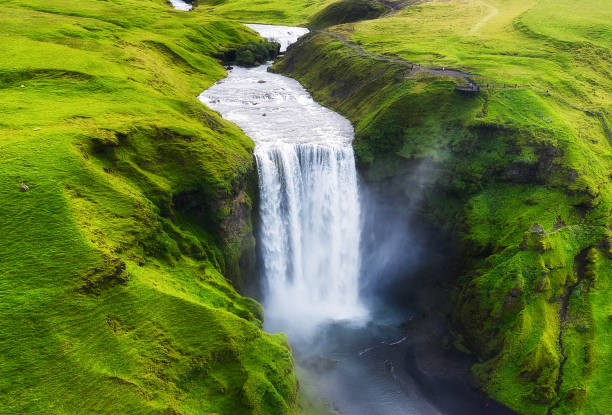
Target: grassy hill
x,y
519,173
113,263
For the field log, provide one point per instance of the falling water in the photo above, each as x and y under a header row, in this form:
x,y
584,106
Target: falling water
x,y
309,210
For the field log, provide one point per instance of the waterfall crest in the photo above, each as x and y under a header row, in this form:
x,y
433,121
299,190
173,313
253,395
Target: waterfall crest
x,y
309,202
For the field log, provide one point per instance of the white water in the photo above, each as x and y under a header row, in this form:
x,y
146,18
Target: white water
x,y
284,35
181,5
309,210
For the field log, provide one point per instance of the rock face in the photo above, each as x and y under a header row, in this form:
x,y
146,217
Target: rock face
x,y
233,217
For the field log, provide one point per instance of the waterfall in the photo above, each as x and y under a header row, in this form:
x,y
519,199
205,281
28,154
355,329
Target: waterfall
x,y
310,231
309,201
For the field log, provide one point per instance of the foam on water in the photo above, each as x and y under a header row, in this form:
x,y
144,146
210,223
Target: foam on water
x,y
285,35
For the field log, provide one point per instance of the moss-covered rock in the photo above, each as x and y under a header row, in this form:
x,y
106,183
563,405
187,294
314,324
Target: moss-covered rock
x,y
254,53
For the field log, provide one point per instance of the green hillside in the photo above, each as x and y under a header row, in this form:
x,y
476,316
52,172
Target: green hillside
x,y
112,289
519,172
285,12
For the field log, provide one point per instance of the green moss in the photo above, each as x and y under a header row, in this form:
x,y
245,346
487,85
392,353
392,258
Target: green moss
x,y
255,53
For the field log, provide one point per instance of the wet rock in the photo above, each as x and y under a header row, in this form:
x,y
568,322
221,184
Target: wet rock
x,y
521,173
24,187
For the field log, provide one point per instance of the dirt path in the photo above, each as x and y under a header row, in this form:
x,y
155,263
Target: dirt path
x,y
493,11
412,67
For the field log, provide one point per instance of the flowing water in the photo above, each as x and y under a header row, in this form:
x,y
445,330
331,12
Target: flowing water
x,y
284,35
309,238
181,5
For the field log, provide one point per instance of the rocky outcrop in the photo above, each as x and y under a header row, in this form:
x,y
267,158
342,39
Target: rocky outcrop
x,y
232,216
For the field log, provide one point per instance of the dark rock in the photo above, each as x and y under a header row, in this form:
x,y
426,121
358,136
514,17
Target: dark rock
x,y
559,224
537,228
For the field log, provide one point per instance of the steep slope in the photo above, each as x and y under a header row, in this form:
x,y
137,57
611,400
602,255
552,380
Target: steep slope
x,y
518,172
347,11
125,205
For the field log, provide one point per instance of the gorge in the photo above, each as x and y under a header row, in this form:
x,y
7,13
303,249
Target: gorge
x,y
310,234
409,211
